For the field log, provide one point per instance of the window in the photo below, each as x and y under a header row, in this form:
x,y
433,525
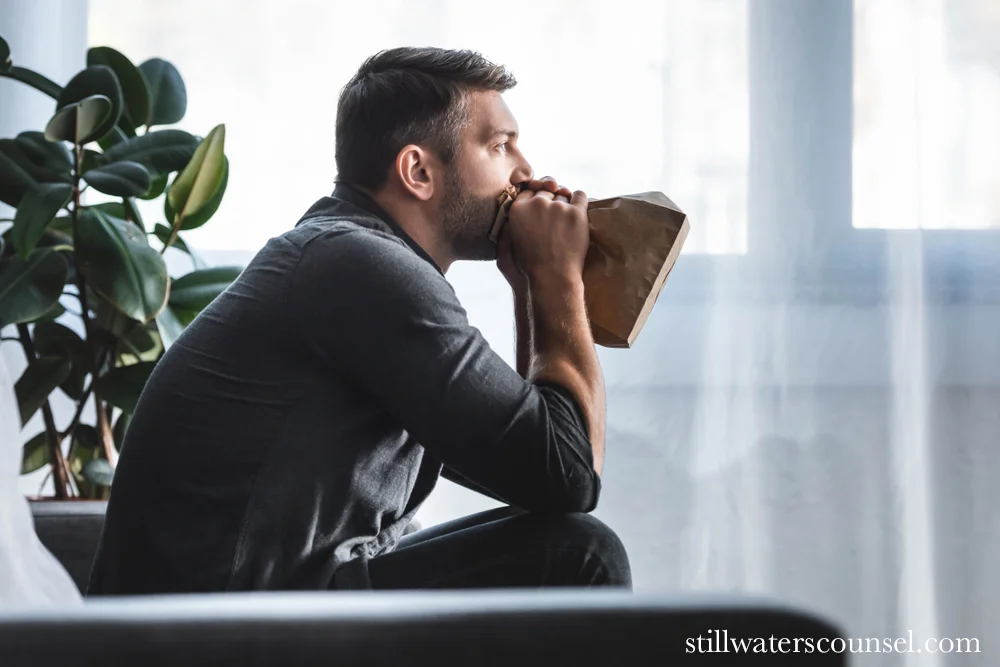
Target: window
x,y
792,133
926,110
613,98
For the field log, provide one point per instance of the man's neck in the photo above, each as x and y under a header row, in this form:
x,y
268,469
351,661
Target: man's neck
x,y
414,220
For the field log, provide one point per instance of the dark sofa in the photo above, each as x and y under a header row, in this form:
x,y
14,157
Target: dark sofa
x,y
516,627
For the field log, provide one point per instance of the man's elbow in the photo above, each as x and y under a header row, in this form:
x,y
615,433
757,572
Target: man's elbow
x,y
580,492
584,504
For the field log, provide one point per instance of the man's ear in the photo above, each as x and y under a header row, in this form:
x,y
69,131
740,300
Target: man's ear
x,y
419,172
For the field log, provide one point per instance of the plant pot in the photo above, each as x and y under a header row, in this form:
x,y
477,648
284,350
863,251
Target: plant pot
x,y
71,530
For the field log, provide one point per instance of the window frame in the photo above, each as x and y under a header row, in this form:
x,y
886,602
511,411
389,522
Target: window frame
x,y
802,244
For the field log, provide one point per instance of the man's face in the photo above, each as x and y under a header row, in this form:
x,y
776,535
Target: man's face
x,y
487,161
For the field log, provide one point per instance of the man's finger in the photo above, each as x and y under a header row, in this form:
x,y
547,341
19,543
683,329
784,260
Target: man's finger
x,y
579,199
548,183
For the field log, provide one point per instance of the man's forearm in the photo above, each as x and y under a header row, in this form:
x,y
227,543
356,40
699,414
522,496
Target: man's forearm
x,y
562,350
522,332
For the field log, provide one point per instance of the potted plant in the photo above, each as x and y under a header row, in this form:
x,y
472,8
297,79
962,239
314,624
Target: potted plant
x,y
82,276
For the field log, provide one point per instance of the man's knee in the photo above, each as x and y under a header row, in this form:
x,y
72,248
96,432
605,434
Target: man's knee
x,y
587,532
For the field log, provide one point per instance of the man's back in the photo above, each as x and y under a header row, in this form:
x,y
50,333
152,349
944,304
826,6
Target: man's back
x,y
249,464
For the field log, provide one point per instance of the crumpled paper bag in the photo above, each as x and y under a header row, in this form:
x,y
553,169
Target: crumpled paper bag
x,y
634,243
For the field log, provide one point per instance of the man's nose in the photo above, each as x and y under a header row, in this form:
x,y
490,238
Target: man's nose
x,y
523,173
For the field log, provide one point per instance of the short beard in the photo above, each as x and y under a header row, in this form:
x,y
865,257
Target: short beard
x,y
467,220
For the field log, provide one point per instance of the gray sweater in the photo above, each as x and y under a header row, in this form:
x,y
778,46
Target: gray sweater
x,y
303,417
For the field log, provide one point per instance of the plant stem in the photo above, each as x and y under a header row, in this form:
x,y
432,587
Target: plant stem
x,y
175,229
86,394
71,429
44,479
56,459
102,423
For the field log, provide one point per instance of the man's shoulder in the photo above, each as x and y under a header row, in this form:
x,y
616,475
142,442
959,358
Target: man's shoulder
x,y
360,229
362,252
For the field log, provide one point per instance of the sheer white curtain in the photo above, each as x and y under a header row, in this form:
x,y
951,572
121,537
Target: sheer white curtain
x,y
29,574
811,412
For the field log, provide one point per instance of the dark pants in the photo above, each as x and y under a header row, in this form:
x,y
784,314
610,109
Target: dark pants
x,y
504,547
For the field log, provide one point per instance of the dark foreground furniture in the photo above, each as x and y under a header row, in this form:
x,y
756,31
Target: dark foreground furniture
x,y
525,628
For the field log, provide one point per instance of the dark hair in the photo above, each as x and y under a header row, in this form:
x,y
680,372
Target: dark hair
x,y
408,96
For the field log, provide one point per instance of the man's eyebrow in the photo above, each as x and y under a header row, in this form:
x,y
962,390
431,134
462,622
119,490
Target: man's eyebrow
x,y
510,134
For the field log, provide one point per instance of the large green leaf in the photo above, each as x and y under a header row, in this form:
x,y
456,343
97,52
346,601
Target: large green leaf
x,y
199,288
96,80
33,79
125,209
19,171
193,190
142,344
77,459
36,168
54,239
81,122
134,340
14,180
38,208
39,379
53,156
109,319
91,160
132,81
167,94
120,265
86,436
99,472
199,218
132,212
35,454
114,137
170,326
121,386
5,61
63,225
56,340
156,188
161,152
30,287
140,339
52,314
120,179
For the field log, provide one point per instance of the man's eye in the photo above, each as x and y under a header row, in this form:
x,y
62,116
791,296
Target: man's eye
x,y
502,147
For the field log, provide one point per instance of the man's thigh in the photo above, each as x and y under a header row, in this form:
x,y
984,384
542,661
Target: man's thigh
x,y
505,547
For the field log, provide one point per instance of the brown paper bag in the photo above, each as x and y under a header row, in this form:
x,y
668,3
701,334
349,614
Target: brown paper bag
x,y
634,242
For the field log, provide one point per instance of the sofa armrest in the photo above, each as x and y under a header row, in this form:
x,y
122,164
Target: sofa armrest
x,y
515,627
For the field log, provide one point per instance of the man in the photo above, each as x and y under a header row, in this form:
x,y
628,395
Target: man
x,y
288,437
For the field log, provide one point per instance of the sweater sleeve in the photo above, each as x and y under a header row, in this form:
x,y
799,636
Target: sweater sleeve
x,y
379,314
